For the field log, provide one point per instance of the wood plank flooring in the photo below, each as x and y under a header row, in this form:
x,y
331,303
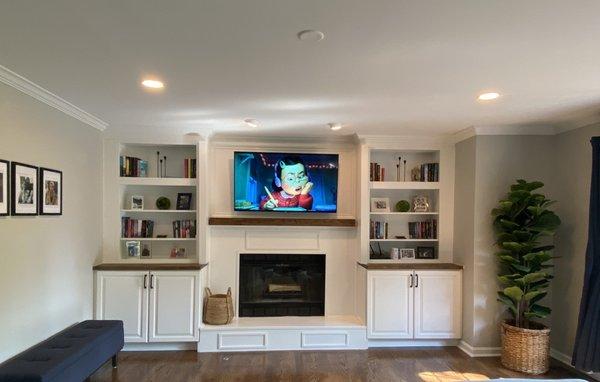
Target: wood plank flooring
x,y
406,364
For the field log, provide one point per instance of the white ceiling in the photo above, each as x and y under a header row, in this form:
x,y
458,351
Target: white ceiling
x,y
384,67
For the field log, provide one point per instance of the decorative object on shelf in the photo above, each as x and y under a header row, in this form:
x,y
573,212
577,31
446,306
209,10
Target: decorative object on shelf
x,y
165,164
401,237
394,254
161,236
161,168
184,200
403,206
4,185
163,203
133,248
405,170
415,174
421,203
218,308
50,192
146,253
407,253
137,202
425,253
177,253
520,221
23,193
158,166
380,204
398,169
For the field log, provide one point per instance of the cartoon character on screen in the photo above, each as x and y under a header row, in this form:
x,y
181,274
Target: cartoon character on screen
x,y
291,186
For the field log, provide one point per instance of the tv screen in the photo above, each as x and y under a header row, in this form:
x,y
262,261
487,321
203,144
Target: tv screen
x,y
285,182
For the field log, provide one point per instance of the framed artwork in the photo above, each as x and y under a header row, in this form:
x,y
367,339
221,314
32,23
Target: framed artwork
x,y
50,191
184,200
407,253
425,252
4,185
23,189
133,248
380,204
137,202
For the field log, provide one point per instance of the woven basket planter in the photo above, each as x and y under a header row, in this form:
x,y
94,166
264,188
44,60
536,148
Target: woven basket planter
x,y
218,308
525,350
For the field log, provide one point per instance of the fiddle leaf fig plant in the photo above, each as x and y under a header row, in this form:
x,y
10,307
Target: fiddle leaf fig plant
x,y
522,221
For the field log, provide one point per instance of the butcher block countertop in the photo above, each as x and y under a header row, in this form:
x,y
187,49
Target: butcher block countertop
x,y
400,266
148,267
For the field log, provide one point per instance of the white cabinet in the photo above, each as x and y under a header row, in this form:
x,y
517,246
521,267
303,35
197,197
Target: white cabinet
x,y
390,304
419,304
155,306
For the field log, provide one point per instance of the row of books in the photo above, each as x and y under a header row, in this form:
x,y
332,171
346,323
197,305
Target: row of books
x,y
378,230
423,230
136,227
184,229
430,172
130,166
376,172
189,168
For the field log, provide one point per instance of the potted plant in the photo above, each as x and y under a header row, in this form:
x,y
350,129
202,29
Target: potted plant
x,y
522,222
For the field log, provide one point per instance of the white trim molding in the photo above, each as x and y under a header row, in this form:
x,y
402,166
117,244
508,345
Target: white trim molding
x,y
473,351
31,89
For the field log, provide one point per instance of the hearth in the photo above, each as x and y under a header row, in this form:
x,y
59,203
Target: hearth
x,y
281,285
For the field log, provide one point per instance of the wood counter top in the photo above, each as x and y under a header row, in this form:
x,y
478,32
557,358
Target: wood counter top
x,y
148,267
400,266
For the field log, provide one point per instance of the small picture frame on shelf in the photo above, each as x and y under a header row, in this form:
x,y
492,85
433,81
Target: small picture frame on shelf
x,y
137,202
425,252
380,204
4,185
50,191
146,251
177,253
407,253
23,189
184,200
133,248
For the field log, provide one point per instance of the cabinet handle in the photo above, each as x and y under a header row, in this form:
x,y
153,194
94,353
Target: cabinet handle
x,y
151,281
145,285
417,283
411,281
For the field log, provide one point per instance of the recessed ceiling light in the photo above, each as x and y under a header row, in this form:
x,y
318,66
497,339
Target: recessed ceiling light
x,y
488,96
251,122
311,35
335,126
153,84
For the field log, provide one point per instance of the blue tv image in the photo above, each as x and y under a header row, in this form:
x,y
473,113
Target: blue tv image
x,y
285,182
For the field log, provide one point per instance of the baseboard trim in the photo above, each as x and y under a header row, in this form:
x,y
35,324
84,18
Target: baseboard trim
x,y
473,351
160,346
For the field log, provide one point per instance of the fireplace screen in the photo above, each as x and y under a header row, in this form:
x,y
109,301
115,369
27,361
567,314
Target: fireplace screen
x,y
281,285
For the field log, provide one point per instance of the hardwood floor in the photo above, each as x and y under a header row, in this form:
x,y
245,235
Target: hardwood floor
x,y
423,365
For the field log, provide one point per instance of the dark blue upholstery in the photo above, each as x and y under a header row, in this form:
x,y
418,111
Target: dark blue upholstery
x,y
71,355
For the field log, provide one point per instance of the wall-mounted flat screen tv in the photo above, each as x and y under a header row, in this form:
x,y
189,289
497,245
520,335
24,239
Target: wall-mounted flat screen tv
x,y
285,182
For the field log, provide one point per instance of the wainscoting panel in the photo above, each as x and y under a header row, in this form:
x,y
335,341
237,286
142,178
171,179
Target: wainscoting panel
x,y
242,341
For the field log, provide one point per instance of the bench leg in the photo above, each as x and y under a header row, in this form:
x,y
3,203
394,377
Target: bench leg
x,y
114,361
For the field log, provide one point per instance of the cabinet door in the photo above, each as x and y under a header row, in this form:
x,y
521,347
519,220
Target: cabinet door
x,y
389,304
173,306
438,304
123,295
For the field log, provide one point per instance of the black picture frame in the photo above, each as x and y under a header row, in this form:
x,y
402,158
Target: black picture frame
x,y
41,198
425,253
5,191
13,191
184,201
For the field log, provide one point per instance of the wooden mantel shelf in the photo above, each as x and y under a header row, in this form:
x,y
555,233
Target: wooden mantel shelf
x,y
418,266
252,221
148,267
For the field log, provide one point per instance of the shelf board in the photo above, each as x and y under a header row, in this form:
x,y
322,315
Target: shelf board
x,y
417,264
404,185
404,240
133,181
157,239
404,213
138,265
161,211
244,221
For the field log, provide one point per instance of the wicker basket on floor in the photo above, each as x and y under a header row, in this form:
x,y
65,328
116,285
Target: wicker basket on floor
x,y
525,350
218,308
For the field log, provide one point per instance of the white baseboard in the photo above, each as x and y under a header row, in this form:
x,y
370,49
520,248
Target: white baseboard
x,y
377,343
473,351
160,346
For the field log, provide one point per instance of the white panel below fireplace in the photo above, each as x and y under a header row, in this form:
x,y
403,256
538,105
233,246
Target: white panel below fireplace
x,y
282,240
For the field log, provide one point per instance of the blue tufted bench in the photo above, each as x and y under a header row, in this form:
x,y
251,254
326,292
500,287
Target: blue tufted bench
x,y
71,355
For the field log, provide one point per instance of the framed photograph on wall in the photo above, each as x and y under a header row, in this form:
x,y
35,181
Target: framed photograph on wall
x,y
23,189
4,185
50,191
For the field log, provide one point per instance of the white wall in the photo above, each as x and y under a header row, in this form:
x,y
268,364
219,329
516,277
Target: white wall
x,y
46,262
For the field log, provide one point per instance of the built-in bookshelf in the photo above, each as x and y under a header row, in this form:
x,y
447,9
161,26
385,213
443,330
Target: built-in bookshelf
x,y
147,231
393,175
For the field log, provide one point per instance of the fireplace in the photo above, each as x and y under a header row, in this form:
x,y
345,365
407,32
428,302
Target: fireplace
x,y
281,285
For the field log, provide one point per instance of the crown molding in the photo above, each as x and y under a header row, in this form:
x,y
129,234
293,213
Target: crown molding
x,y
24,85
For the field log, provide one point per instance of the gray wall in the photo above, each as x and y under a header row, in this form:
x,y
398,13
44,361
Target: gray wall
x,y
45,262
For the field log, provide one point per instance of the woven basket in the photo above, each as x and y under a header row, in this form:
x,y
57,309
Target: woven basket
x,y
525,350
218,308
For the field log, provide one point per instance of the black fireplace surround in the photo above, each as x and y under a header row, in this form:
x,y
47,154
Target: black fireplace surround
x,y
281,285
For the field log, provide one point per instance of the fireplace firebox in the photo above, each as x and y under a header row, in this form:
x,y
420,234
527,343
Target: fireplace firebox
x,y
281,285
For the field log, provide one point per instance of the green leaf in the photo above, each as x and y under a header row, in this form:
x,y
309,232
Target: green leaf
x,y
508,302
507,224
509,259
538,257
533,294
534,277
512,246
539,310
521,268
514,293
